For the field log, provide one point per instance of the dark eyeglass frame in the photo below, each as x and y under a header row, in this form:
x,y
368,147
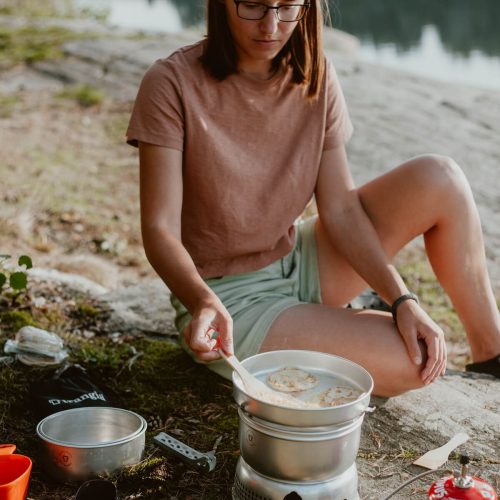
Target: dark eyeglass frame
x,y
277,8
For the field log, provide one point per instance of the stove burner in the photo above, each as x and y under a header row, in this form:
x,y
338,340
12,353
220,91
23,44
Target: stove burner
x,y
250,485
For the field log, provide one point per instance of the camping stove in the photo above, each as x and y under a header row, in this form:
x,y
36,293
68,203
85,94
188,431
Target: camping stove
x,y
250,485
297,453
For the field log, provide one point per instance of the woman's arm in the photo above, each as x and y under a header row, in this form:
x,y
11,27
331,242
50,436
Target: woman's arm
x,y
352,233
161,205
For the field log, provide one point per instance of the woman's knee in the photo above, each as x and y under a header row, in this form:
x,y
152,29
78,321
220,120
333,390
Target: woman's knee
x,y
442,174
403,377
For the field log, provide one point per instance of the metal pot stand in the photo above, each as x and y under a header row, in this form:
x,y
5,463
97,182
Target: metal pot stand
x,y
204,461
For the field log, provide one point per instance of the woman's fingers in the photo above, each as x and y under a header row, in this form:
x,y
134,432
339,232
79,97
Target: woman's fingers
x,y
201,339
415,325
210,327
436,351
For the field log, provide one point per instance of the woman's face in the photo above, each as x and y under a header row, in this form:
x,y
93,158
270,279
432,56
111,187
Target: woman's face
x,y
258,42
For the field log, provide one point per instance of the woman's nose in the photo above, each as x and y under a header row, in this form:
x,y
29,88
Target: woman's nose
x,y
269,23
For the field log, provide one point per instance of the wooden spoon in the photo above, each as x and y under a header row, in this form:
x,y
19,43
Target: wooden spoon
x,y
433,459
257,389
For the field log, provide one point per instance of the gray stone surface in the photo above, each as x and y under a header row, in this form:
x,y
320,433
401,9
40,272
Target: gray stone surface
x,y
403,428
144,308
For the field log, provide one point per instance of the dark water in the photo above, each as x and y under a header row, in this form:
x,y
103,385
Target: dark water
x,y
453,40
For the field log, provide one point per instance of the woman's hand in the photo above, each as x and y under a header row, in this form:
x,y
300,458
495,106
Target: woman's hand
x,y
414,324
208,318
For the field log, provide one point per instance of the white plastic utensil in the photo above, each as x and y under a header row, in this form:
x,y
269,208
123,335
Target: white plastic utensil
x,y
251,383
433,459
258,389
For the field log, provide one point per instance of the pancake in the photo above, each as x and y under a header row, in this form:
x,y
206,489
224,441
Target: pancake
x,y
291,379
334,396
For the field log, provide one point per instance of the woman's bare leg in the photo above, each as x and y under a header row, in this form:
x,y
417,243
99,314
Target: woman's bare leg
x,y
427,195
366,337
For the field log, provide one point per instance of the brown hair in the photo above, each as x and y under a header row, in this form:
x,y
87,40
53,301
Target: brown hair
x,y
303,51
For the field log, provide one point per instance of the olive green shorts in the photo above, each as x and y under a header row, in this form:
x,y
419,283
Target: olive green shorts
x,y
255,299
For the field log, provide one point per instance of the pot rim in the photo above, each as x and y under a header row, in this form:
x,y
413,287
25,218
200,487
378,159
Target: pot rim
x,y
337,366
104,444
237,380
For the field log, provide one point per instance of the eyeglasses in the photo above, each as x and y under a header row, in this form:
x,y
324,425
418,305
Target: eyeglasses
x,y
254,11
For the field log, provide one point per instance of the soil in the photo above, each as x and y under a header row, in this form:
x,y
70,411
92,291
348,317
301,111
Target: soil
x,y
69,195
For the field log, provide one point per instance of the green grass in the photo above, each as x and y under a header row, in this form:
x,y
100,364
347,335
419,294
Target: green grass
x,y
29,44
64,9
419,277
85,95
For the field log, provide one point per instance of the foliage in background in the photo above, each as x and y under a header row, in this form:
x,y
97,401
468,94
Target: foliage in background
x,y
85,95
13,279
43,31
50,8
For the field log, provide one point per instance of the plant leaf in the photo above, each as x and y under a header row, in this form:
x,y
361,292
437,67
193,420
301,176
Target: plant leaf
x,y
25,260
18,280
3,279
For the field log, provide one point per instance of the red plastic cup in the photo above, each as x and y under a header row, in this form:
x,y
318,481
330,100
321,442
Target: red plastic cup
x,y
15,473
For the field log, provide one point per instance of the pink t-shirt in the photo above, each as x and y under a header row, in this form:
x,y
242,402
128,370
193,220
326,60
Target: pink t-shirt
x,y
251,154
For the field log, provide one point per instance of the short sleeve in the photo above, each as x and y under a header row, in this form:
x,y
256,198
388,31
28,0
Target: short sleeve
x,y
158,114
338,128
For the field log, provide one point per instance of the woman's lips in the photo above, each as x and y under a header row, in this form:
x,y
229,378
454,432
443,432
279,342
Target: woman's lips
x,y
266,43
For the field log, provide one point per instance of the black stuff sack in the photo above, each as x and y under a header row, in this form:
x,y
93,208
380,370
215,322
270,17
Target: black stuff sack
x,y
70,387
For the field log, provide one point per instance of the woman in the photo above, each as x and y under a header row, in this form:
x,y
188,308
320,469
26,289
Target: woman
x,y
236,134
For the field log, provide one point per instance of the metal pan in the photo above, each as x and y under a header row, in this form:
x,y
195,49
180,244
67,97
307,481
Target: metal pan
x,y
329,369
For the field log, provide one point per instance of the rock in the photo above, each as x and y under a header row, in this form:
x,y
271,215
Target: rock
x,y
97,269
140,308
72,281
143,308
403,428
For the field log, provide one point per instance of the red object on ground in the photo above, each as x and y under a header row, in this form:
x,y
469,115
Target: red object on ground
x,y
447,488
14,474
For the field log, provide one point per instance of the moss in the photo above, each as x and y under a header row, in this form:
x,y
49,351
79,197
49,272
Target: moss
x,y
89,310
50,318
7,103
12,320
100,354
30,44
85,95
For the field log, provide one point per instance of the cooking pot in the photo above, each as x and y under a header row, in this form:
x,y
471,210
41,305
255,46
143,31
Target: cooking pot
x,y
298,453
330,371
86,442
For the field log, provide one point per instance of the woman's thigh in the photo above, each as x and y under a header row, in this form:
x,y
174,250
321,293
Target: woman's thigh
x,y
366,337
401,204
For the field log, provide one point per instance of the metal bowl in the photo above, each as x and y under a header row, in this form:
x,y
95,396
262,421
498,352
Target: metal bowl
x,y
91,441
326,367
